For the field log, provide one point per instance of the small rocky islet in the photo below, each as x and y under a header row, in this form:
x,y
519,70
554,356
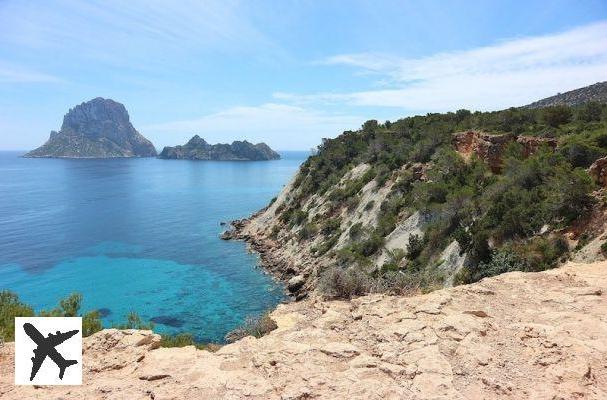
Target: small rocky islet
x,y
198,149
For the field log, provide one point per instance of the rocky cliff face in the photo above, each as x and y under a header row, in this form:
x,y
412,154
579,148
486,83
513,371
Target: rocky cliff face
x,y
198,149
515,336
99,128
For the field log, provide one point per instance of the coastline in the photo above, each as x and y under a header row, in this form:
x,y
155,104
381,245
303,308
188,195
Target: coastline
x,y
272,260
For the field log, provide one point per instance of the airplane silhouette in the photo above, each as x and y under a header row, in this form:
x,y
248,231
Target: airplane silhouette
x,y
46,347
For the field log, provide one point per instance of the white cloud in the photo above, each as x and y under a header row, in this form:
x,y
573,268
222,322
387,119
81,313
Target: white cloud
x,y
510,73
281,126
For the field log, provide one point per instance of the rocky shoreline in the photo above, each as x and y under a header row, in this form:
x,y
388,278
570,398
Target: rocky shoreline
x,y
271,259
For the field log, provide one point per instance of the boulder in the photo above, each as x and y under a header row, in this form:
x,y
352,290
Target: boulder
x,y
598,171
296,283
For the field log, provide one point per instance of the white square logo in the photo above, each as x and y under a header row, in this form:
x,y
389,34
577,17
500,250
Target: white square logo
x,y
48,351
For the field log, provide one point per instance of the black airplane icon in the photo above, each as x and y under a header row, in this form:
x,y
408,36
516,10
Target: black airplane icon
x,y
46,347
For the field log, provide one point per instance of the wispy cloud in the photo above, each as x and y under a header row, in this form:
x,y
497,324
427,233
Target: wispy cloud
x,y
135,33
20,75
512,72
276,124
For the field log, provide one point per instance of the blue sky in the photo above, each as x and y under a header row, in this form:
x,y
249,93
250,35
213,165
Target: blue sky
x,y
286,72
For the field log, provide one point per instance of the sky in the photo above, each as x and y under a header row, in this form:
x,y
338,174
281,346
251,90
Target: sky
x,y
288,73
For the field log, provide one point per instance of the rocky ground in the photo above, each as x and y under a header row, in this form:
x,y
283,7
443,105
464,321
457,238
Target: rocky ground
x,y
515,336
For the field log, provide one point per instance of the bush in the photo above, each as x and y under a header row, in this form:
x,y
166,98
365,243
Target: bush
x,y
91,323
338,283
414,247
298,217
604,248
556,116
356,230
501,262
186,339
308,231
326,245
330,226
398,283
369,246
590,112
134,321
11,307
253,326
581,151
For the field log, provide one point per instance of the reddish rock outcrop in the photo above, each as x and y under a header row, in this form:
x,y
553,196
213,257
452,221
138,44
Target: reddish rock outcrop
x,y
490,147
487,147
598,171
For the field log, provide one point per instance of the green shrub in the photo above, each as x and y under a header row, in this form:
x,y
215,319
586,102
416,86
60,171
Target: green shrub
x,y
253,326
91,323
330,226
414,247
326,245
274,232
298,217
186,339
501,262
356,230
604,248
370,245
590,112
134,321
11,307
556,116
308,231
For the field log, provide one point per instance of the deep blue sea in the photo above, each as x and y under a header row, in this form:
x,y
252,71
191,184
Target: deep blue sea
x,y
138,235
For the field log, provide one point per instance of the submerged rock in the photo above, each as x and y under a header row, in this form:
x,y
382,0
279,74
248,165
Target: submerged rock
x,y
104,312
198,149
168,321
99,128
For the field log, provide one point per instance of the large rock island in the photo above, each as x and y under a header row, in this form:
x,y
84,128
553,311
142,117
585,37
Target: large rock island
x,y
198,149
99,128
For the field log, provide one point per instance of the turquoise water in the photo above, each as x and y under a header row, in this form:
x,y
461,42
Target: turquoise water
x,y
138,235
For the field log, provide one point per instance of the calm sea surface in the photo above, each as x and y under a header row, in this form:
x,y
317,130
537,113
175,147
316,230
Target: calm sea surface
x,y
138,235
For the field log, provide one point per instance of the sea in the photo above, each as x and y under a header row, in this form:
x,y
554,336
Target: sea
x,y
139,235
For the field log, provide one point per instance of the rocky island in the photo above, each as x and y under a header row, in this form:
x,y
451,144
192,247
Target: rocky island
x,y
198,149
99,128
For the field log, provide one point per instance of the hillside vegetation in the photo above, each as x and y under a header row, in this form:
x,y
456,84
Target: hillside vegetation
x,y
401,204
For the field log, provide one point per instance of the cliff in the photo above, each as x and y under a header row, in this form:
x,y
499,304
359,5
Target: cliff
x,y
515,336
99,128
438,200
198,149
